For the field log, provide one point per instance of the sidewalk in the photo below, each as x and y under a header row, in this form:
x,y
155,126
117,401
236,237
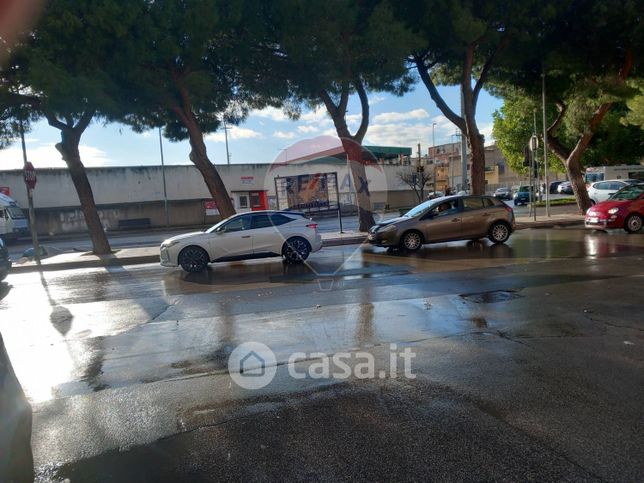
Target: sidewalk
x,y
141,255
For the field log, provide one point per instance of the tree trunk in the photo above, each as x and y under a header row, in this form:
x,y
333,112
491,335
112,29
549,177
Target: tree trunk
x,y
360,183
199,157
68,148
576,177
477,182
477,147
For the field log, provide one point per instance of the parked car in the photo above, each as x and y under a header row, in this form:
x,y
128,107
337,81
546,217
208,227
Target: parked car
x,y
503,193
249,235
432,195
602,190
5,261
625,209
565,188
553,187
522,195
16,460
446,219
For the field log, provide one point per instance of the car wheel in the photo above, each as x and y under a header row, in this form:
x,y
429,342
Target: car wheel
x,y
296,250
499,232
193,259
633,223
411,240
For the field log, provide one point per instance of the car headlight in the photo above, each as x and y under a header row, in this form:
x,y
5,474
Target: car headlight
x,y
613,211
387,228
168,244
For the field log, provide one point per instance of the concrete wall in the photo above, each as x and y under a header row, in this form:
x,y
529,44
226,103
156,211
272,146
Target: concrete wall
x,y
126,193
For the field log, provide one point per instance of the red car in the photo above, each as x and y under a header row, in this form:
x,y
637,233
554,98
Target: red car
x,y
625,209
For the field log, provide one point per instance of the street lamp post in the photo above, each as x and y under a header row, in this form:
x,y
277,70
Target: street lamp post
x,y
433,142
226,139
165,187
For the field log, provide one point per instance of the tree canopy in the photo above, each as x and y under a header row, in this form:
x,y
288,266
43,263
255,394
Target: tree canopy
x,y
336,49
193,63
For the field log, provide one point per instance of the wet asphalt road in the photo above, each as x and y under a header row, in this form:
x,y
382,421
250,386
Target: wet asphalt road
x,y
529,365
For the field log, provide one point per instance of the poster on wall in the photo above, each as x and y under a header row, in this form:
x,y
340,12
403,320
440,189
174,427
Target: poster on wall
x,y
308,192
211,208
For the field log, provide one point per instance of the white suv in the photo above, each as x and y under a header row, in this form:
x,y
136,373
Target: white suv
x,y
602,190
257,234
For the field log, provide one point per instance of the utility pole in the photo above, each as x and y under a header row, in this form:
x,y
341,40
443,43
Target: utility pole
x,y
30,184
226,139
463,147
545,140
537,174
165,188
433,143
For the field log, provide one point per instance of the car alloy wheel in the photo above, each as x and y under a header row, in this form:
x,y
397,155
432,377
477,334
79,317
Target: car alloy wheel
x,y
296,250
499,232
193,259
633,223
412,241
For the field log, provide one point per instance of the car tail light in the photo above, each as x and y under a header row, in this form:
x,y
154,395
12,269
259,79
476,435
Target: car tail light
x,y
314,226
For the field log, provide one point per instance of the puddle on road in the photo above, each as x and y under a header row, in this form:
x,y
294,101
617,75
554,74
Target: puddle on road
x,y
492,296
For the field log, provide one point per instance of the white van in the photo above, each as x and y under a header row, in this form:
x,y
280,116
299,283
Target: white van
x,y
13,222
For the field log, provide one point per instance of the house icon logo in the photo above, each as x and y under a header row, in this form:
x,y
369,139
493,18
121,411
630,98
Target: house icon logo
x,y
252,365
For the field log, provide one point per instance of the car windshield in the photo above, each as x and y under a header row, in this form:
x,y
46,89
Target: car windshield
x,y
213,228
15,212
628,193
422,208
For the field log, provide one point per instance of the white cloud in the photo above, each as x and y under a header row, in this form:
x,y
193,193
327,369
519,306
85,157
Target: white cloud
x,y
307,129
400,134
47,156
273,113
318,116
376,100
486,130
284,134
401,116
234,132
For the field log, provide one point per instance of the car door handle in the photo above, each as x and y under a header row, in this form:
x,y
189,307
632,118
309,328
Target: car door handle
x,y
455,220
246,236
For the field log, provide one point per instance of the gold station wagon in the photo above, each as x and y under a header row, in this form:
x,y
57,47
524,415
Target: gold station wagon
x,y
446,219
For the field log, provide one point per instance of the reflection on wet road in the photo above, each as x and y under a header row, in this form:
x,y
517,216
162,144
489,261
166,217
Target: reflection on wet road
x,y
81,340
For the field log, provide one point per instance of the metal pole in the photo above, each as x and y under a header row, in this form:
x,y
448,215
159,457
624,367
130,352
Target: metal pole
x,y
165,188
30,198
545,140
536,157
463,147
433,143
226,139
337,194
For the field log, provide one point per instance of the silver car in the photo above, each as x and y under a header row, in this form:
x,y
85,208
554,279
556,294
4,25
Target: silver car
x,y
446,219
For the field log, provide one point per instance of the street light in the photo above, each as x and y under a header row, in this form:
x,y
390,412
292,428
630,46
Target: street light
x,y
226,128
165,188
433,143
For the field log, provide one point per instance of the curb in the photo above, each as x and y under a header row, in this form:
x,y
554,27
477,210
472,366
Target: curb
x,y
142,259
547,224
108,262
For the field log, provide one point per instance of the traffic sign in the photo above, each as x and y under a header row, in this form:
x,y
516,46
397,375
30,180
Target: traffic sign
x,y
29,174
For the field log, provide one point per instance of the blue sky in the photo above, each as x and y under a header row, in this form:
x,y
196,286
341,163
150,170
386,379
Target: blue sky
x,y
395,121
